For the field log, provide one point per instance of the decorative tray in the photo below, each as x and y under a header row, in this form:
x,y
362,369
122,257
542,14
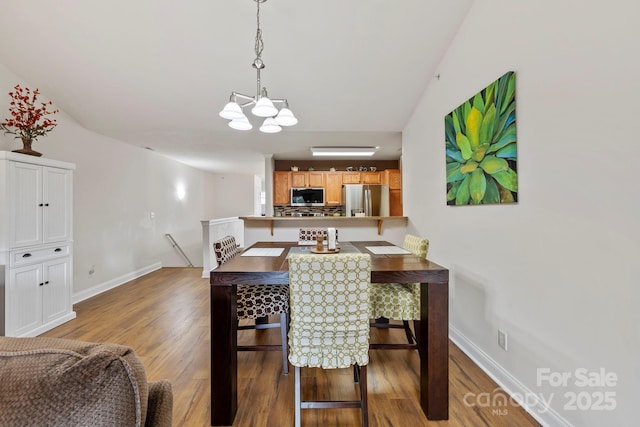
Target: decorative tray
x,y
325,251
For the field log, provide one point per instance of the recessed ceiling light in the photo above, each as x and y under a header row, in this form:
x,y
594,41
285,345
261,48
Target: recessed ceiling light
x,y
343,151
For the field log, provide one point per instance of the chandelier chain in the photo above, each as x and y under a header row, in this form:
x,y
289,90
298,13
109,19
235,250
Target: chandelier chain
x,y
259,44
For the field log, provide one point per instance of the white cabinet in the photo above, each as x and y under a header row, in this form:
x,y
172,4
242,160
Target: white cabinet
x,y
36,244
41,196
38,295
24,300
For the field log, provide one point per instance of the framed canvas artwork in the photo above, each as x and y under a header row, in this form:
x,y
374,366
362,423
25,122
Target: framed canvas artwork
x,y
480,141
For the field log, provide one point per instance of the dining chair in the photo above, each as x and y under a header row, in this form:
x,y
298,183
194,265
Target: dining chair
x,y
309,235
399,301
330,321
258,301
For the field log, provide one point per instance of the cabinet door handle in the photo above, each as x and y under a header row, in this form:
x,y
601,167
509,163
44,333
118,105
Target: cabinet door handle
x,y
46,204
57,250
41,284
26,255
46,283
41,204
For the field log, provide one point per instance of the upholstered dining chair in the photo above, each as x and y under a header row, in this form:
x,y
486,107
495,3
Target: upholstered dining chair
x,y
258,301
310,234
399,301
330,321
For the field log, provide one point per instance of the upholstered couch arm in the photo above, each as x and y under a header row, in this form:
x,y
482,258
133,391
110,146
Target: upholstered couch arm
x,y
160,409
50,381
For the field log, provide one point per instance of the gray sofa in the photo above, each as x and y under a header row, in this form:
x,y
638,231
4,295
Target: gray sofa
x,y
59,382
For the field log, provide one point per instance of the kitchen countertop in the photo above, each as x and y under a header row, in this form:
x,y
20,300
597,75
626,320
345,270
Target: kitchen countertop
x,y
271,219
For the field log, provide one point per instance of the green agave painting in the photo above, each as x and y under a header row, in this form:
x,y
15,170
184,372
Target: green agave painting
x,y
481,147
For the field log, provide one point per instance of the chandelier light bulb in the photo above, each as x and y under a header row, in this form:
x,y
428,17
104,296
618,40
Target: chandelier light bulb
x,y
286,118
264,108
270,126
241,124
232,111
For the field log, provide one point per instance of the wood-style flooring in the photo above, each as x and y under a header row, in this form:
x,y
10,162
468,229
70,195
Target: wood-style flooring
x,y
164,317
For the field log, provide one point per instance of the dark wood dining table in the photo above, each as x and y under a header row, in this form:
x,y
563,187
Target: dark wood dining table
x,y
433,341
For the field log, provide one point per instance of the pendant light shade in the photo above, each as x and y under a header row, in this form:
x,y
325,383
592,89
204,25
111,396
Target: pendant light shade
x,y
270,126
232,111
264,108
241,124
286,118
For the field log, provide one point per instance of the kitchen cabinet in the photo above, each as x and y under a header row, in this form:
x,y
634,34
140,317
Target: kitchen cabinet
x,y
316,179
395,203
351,177
299,179
36,244
332,182
333,188
371,178
281,188
393,178
307,179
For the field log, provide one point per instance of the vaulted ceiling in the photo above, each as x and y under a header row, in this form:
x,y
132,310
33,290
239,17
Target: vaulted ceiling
x,y
155,73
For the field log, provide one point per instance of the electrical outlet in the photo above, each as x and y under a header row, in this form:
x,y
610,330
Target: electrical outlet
x,y
502,339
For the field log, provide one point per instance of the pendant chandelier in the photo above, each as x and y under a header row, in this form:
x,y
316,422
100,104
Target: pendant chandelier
x,y
262,105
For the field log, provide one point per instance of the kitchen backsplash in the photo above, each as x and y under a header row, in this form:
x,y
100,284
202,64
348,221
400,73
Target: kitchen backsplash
x,y
308,210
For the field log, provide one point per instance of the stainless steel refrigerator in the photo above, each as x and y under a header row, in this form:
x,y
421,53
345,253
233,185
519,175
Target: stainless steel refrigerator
x,y
367,199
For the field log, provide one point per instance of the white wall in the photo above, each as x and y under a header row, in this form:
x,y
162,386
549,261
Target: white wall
x,y
116,186
558,271
234,195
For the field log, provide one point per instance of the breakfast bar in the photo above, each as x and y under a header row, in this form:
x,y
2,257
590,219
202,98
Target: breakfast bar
x,y
322,220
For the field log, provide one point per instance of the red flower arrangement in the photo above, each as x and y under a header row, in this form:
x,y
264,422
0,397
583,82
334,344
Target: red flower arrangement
x,y
27,120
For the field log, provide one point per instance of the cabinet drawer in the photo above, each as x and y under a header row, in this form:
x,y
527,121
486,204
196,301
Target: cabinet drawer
x,y
29,256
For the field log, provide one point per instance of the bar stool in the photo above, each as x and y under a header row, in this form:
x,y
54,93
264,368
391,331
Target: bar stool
x,y
258,301
400,301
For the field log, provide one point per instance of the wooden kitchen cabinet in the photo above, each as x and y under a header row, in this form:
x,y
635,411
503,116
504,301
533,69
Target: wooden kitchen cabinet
x,y
332,182
333,188
392,178
351,177
371,178
316,179
281,188
299,179
307,179
395,202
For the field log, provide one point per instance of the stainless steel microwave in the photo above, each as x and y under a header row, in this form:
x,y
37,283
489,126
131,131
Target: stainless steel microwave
x,y
307,197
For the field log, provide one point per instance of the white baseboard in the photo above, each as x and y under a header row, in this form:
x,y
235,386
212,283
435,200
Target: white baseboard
x,y
47,326
113,283
511,385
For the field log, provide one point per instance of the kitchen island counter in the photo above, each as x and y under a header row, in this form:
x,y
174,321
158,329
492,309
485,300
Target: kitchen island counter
x,y
287,220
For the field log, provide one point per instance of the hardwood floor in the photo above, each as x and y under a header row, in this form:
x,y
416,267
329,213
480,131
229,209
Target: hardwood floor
x,y
164,317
